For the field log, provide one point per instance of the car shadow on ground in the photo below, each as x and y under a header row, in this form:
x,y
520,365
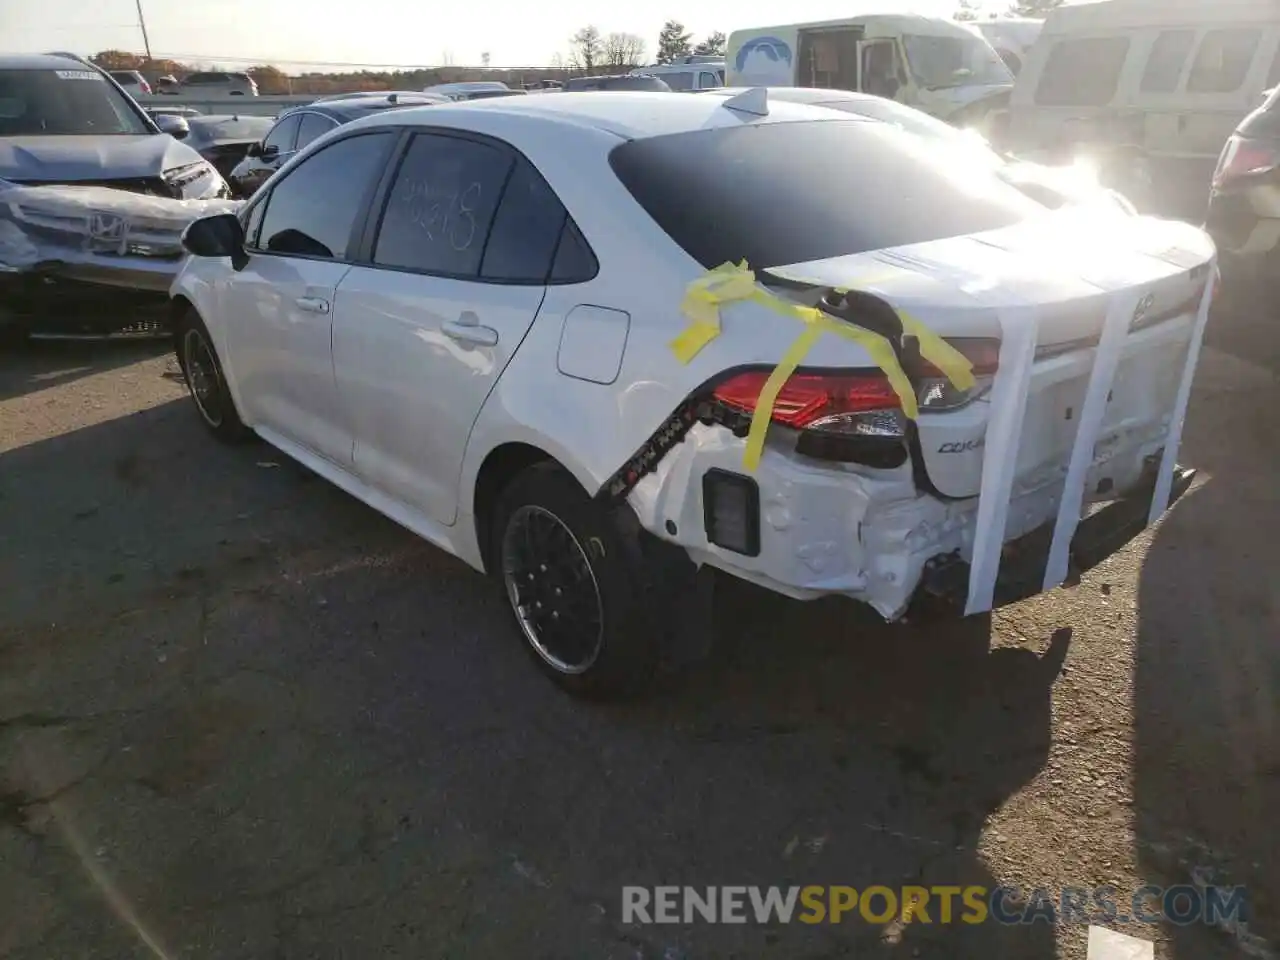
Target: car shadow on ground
x,y
265,721
40,364
1207,683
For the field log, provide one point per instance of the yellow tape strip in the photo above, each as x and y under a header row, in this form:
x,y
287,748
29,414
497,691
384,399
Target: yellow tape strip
x,y
730,283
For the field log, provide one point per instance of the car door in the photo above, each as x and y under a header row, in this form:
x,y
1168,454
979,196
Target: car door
x,y
279,308
278,146
457,273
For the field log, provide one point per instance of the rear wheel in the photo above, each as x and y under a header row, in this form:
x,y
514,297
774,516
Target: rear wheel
x,y
576,583
202,372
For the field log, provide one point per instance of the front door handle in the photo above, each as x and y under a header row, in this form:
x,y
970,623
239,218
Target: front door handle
x,y
467,329
313,304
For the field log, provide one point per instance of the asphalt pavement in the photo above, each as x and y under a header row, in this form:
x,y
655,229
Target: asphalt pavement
x,y
243,716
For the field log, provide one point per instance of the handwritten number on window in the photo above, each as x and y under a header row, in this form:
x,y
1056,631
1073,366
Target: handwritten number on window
x,y
445,216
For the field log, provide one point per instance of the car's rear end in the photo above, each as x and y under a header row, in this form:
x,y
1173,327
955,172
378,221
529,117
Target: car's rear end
x,y
850,496
1244,203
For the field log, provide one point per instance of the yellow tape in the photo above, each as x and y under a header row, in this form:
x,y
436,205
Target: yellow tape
x,y
731,283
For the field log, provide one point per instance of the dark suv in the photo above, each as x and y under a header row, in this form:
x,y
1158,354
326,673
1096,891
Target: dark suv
x,y
1244,203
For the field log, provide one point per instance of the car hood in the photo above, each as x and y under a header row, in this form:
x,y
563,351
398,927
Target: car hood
x,y
63,159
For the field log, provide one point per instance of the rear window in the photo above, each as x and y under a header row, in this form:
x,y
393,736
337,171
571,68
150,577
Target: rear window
x,y
782,193
74,101
1082,73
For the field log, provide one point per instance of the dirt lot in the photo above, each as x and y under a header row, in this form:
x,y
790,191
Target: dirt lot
x,y
243,716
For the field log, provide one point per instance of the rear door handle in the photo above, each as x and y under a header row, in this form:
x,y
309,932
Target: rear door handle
x,y
313,304
467,329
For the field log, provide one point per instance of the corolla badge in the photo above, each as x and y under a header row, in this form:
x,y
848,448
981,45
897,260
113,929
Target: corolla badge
x,y
764,60
109,230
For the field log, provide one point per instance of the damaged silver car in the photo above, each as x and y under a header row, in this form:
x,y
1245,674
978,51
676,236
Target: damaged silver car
x,y
94,195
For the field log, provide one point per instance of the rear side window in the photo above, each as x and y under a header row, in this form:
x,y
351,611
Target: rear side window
x,y
1165,62
312,212
525,231
441,205
782,193
1082,73
1223,60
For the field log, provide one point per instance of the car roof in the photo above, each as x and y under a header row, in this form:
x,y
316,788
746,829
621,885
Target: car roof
x,y
37,61
353,108
632,114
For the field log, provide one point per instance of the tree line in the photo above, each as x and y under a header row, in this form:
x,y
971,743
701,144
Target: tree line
x,y
591,51
971,9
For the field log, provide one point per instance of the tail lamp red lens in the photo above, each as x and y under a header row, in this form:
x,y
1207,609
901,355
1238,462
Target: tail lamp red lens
x,y
1241,157
809,397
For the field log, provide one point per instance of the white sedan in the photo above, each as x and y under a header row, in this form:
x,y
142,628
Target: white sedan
x,y
542,333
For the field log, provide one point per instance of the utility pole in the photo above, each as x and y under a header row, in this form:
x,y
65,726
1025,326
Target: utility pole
x,y
142,22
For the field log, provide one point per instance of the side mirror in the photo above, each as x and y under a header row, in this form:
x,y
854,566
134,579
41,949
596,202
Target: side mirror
x,y
259,150
220,235
176,127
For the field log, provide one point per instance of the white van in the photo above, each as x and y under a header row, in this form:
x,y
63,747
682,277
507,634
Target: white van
x,y
219,83
1158,83
687,75
930,63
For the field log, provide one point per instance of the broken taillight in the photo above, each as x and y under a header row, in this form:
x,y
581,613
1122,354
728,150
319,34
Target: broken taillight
x,y
936,394
861,403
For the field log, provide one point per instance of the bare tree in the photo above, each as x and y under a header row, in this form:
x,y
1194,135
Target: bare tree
x,y
587,48
968,10
484,60
557,62
622,50
1034,8
712,46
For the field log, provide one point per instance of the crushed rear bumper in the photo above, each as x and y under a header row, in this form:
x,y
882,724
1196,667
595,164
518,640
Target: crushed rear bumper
x,y
1103,533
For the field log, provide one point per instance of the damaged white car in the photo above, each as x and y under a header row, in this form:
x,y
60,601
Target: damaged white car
x,y
603,345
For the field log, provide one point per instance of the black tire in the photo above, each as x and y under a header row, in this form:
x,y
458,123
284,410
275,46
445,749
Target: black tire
x,y
590,551
202,373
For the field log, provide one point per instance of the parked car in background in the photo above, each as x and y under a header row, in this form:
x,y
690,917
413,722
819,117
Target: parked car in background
x,y
64,123
621,82
1244,203
1148,89
295,128
687,75
470,319
1052,186
133,83
217,83
175,111
473,90
225,140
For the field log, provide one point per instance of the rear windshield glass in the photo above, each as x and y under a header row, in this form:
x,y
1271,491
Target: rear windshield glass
x,y
782,193
71,101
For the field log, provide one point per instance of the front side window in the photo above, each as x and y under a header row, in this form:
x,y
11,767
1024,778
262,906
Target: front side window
x,y
283,134
77,101
1164,64
939,63
312,212
1223,60
784,193
1082,73
438,213
708,80
679,81
312,127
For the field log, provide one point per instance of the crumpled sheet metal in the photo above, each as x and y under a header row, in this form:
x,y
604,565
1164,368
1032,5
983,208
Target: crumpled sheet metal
x,y
43,226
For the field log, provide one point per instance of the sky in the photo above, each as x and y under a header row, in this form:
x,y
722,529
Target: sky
x,y
384,32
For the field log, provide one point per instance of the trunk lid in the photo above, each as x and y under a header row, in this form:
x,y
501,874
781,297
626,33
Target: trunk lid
x,y
1058,273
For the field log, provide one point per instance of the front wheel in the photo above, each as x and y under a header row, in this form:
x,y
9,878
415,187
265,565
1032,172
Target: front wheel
x,y
205,381
576,583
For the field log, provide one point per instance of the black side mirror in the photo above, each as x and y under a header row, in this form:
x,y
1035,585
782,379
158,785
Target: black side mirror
x,y
258,150
220,235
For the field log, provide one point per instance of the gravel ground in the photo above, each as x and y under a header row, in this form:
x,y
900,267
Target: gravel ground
x,y
241,715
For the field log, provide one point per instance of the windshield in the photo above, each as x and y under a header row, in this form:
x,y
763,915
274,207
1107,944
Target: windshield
x,y
63,102
782,193
953,61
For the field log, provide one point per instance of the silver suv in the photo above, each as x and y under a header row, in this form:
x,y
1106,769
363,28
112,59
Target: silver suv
x,y
217,83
